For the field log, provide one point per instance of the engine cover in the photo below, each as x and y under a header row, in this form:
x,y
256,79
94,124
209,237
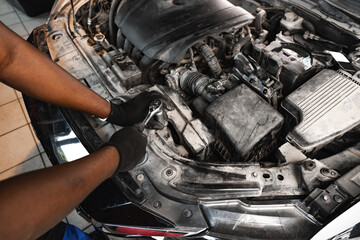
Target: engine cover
x,y
165,29
245,123
325,107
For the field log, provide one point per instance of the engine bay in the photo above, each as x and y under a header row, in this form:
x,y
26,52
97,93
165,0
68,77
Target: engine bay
x,y
262,101
238,74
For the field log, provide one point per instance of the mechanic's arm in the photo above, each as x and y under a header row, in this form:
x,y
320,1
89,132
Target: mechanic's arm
x,y
26,69
32,203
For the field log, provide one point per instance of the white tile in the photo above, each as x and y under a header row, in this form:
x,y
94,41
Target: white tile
x,y
21,100
11,117
16,147
46,160
75,219
5,7
19,29
7,94
30,25
10,19
30,165
18,94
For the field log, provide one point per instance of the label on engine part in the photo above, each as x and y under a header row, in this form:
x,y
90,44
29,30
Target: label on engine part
x,y
307,62
339,57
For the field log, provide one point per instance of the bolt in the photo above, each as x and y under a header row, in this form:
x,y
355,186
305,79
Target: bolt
x,y
333,173
324,171
310,165
187,213
99,37
265,91
338,199
326,198
254,174
145,186
140,177
138,192
169,172
157,204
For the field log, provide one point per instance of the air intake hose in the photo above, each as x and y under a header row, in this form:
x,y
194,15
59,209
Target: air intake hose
x,y
210,58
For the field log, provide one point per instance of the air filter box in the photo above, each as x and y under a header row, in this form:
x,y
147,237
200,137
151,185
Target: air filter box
x,y
245,123
325,107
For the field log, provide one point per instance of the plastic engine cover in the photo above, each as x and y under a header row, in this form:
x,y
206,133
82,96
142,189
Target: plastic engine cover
x,y
165,30
245,123
325,107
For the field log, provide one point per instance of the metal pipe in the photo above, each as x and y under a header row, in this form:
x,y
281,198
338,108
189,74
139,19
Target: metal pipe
x,y
90,13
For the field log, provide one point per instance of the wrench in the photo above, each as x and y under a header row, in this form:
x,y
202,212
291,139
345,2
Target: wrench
x,y
155,107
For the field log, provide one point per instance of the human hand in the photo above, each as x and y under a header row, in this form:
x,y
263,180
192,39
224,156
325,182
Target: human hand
x,y
131,145
134,110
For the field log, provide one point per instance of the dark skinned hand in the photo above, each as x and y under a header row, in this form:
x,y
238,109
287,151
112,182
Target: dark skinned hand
x,y
134,110
131,145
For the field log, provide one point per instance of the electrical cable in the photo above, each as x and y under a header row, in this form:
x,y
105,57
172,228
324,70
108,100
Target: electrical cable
x,y
74,18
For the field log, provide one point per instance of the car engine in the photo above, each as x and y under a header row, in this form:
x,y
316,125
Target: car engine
x,y
255,99
238,75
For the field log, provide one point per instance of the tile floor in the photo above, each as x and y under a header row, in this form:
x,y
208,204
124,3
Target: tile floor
x,y
15,128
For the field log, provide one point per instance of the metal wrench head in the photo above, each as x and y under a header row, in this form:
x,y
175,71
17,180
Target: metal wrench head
x,y
154,108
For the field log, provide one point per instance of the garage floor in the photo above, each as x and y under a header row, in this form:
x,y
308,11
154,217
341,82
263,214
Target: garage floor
x,y
20,151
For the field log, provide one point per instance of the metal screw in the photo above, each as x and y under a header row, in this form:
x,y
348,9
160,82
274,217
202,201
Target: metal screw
x,y
187,213
169,172
326,198
157,204
338,199
254,174
140,177
333,173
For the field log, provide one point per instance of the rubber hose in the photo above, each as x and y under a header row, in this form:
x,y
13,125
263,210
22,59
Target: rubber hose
x,y
114,6
345,160
309,26
259,20
211,59
238,46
